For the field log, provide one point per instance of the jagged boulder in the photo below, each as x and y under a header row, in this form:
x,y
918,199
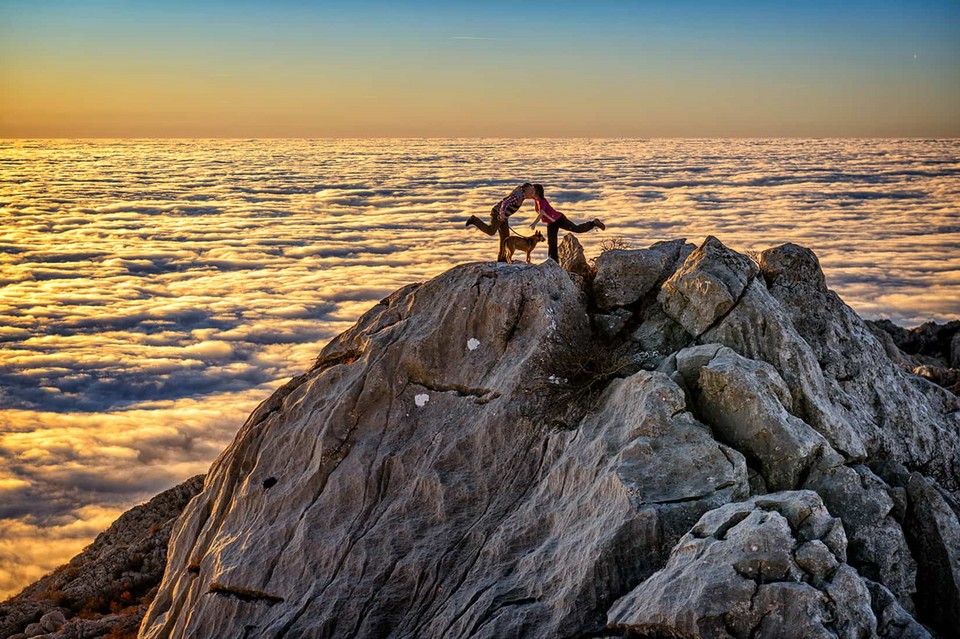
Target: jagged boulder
x,y
895,415
928,343
659,333
625,276
877,547
611,324
893,622
758,328
772,566
744,400
707,285
932,526
572,258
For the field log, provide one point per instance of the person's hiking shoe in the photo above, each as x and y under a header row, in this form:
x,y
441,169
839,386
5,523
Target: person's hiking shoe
x,y
470,220
600,225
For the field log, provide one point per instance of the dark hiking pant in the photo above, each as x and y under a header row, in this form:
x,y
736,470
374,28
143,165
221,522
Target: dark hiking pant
x,y
496,226
563,223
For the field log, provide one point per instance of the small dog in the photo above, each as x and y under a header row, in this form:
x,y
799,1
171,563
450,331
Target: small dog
x,y
526,244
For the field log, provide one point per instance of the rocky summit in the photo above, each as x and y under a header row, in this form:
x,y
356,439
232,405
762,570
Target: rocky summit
x,y
675,441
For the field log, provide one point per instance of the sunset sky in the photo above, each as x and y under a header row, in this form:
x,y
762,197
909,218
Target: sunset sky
x,y
314,69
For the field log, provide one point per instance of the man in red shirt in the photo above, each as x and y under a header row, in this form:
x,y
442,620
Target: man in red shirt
x,y
499,214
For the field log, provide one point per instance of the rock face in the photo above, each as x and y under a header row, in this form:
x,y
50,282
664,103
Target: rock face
x,y
707,286
537,541
625,276
896,415
745,400
931,522
678,443
772,566
107,587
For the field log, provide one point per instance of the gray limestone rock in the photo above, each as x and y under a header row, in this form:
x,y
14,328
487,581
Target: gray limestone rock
x,y
743,400
625,276
815,558
716,296
758,328
893,622
897,415
610,324
570,252
933,529
426,489
707,285
659,333
877,547
955,350
736,574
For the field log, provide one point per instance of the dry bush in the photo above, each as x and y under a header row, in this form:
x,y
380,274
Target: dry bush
x,y
58,597
577,374
117,633
614,243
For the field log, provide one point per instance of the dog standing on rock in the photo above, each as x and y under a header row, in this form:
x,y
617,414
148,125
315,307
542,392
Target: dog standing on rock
x,y
518,243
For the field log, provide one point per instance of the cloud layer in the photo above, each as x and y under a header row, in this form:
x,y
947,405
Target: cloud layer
x,y
152,292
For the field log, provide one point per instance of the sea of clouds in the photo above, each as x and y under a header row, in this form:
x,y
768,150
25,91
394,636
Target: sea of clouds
x,y
153,292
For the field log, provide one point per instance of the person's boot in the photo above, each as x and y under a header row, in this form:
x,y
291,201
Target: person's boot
x,y
600,225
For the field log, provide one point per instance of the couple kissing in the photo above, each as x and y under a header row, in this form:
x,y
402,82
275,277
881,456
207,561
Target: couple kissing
x,y
502,210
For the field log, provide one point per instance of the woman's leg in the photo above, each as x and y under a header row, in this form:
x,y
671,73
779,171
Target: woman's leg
x,y
567,225
552,229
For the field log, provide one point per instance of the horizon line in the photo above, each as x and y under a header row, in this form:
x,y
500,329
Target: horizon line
x,y
495,137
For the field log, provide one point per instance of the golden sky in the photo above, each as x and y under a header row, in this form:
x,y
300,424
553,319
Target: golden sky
x,y
292,69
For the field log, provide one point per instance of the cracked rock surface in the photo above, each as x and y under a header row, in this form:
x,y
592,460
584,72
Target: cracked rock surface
x,y
772,566
666,442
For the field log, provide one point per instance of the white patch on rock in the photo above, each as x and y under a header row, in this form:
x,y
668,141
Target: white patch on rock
x,y
421,400
473,343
